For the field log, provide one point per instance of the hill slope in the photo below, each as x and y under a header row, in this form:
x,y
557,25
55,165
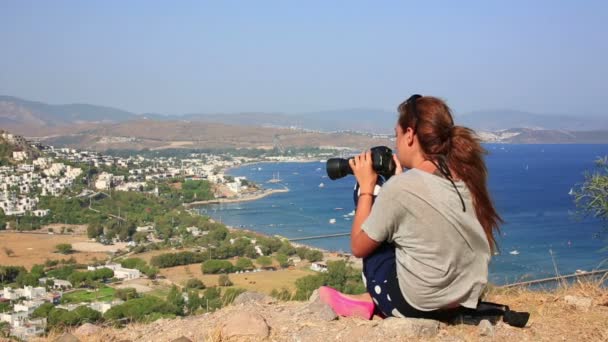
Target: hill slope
x,y
552,318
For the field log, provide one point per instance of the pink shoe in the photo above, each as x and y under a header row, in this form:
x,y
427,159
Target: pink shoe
x,y
345,306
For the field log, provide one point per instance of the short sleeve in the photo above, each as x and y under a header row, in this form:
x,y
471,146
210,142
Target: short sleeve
x,y
385,216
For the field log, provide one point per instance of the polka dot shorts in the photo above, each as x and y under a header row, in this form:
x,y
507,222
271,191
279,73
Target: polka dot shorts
x,y
378,274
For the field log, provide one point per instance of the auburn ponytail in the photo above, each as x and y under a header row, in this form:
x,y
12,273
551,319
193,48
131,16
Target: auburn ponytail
x,y
458,147
466,157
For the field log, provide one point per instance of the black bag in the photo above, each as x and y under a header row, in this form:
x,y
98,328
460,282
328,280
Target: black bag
x,y
491,312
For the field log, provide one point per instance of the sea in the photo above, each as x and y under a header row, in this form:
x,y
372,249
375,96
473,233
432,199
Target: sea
x,y
544,233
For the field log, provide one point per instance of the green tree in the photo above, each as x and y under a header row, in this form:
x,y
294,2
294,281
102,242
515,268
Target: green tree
x,y
126,293
314,255
301,252
244,264
64,248
216,266
175,298
264,261
43,310
194,302
306,285
283,260
592,196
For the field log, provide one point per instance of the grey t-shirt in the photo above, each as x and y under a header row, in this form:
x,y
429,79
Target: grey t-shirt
x,y
442,252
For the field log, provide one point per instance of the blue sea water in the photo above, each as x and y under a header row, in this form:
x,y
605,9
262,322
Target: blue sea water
x,y
529,184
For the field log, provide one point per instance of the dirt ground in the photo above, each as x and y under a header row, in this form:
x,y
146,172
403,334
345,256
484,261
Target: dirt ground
x,y
30,249
264,281
552,319
90,246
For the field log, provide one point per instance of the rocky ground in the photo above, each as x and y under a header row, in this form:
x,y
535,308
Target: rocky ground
x,y
579,313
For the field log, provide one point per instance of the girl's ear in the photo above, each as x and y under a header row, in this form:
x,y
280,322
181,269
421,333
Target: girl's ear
x,y
409,136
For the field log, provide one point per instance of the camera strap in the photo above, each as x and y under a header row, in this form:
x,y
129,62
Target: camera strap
x,y
442,166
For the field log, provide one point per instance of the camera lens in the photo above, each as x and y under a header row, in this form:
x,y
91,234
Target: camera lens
x,y
338,168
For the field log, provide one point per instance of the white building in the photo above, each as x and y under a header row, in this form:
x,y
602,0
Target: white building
x,y
28,292
319,266
19,155
41,212
119,271
104,181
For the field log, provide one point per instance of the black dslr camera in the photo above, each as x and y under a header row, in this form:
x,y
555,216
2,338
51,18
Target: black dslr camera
x,y
382,163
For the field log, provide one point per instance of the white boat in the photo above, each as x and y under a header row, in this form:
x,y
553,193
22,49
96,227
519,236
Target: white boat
x,y
321,185
571,192
332,221
338,208
514,252
352,213
275,179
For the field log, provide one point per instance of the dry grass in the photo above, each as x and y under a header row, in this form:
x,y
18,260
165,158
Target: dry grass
x,y
264,281
31,249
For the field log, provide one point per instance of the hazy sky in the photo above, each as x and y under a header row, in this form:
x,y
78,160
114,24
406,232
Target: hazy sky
x,y
298,56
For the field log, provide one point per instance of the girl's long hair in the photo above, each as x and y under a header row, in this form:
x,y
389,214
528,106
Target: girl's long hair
x,y
456,146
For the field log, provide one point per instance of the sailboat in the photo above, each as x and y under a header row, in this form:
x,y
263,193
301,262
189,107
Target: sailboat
x,y
274,179
571,192
321,185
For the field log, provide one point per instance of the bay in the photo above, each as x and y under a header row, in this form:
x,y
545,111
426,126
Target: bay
x,y
543,235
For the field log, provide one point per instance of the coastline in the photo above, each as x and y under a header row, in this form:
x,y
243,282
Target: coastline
x,y
265,193
301,160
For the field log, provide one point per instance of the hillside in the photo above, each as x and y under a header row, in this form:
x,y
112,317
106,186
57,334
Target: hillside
x,y
16,112
578,313
19,112
156,134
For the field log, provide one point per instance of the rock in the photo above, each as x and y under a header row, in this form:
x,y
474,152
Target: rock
x,y
182,339
314,296
245,324
485,328
581,303
410,327
87,329
67,337
253,297
320,310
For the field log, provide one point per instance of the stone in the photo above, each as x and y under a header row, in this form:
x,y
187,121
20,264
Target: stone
x,y
485,328
581,303
320,310
314,296
87,329
182,339
410,327
253,297
245,325
67,337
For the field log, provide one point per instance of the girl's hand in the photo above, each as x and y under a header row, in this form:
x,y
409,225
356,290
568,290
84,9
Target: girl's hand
x,y
399,168
363,171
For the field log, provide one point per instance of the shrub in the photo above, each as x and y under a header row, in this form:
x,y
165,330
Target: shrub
x,y
195,284
216,266
64,248
224,280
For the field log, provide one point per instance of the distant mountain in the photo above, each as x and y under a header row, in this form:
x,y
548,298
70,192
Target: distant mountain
x,y
362,120
26,116
16,111
494,120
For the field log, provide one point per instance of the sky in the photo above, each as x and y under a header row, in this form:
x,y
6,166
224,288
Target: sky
x,y
176,57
